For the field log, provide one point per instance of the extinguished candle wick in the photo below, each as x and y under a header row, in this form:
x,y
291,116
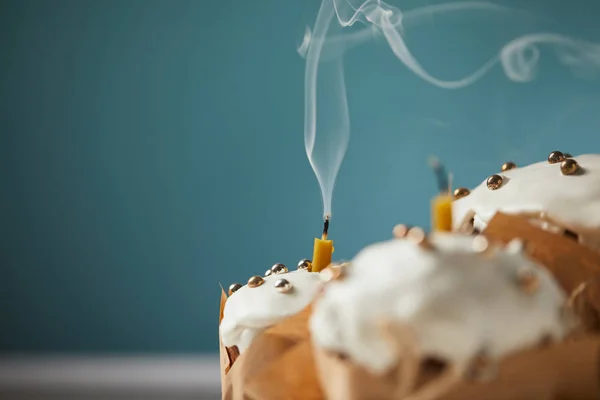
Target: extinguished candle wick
x,y
325,228
440,174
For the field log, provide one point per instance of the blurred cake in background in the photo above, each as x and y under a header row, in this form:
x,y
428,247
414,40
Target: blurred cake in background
x,y
561,194
554,206
427,319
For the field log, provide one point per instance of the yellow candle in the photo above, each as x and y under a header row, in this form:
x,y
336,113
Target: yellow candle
x,y
322,250
322,254
441,212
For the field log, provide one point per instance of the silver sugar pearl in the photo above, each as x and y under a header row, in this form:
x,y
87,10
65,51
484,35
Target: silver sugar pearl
x,y
305,264
255,281
279,269
234,287
282,285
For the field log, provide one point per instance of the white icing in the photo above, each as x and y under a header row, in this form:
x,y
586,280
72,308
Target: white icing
x,y
249,311
456,302
571,199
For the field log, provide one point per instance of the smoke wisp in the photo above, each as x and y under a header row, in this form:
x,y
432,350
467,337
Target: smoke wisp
x,y
327,124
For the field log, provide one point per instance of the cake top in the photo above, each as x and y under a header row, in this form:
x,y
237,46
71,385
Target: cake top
x,y
264,302
457,299
568,196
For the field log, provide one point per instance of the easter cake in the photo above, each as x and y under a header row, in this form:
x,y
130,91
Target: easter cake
x,y
264,332
561,194
264,302
554,206
449,317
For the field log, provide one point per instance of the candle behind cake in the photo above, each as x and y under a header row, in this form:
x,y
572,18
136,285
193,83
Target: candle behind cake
x,y
441,204
441,212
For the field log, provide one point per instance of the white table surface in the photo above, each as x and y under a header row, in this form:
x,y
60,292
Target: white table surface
x,y
115,378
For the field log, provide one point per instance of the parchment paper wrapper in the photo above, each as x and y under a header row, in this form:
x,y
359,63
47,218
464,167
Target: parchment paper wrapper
x,y
575,266
278,365
565,371
227,356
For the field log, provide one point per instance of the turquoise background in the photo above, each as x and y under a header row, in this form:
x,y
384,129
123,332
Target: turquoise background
x,y
152,149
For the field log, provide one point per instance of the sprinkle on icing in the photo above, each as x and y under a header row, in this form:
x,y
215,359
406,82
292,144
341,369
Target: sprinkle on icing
x,y
572,199
250,310
456,301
